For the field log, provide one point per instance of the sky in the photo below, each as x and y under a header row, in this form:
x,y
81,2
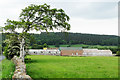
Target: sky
x,y
86,16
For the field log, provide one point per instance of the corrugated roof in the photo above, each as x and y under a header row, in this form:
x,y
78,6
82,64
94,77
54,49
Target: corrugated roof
x,y
43,50
70,48
90,49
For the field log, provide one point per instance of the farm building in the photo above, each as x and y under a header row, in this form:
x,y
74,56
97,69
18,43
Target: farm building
x,y
44,52
71,51
96,52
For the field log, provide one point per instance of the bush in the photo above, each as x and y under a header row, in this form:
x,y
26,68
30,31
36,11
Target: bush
x,y
9,52
57,45
40,46
118,53
5,53
12,46
69,46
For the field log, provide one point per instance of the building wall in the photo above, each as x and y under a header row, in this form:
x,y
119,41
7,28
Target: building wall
x,y
71,52
43,52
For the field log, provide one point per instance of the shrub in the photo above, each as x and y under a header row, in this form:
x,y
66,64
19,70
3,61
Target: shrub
x,y
12,46
9,52
5,53
57,45
118,53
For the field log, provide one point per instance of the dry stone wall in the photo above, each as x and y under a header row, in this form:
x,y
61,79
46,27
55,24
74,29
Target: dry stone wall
x,y
20,71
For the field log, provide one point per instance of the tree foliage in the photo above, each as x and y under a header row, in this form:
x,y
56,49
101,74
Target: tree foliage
x,y
42,17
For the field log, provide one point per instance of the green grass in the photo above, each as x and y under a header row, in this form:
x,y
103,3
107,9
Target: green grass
x,y
7,68
43,66
83,45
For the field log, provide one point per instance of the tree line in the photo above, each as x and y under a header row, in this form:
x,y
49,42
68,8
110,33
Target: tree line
x,y
61,38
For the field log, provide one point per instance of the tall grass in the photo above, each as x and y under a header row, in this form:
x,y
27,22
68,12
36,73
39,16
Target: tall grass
x,y
7,69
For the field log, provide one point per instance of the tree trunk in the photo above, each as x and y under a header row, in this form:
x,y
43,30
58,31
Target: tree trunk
x,y
20,49
23,41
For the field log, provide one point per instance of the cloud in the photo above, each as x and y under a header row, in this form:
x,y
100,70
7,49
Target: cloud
x,y
74,8
102,26
91,10
86,10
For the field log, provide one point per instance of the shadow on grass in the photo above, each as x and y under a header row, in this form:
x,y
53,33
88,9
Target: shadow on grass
x,y
40,61
75,56
29,60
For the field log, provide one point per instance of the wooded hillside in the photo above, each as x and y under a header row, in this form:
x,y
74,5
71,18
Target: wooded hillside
x,y
75,38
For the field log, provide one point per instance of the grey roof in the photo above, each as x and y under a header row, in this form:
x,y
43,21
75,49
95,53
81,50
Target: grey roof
x,y
70,48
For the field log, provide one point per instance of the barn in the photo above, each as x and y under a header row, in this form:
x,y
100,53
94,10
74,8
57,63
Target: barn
x,y
44,51
71,51
96,52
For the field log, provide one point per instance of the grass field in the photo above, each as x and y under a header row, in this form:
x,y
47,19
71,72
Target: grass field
x,y
0,70
7,68
83,45
43,66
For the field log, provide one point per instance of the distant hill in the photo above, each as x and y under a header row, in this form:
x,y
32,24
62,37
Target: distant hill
x,y
60,38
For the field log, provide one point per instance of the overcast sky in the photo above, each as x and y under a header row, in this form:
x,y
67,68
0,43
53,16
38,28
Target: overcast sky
x,y
86,16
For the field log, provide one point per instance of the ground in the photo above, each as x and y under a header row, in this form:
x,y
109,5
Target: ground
x,y
44,66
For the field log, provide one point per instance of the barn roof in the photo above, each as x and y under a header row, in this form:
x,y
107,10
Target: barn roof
x,y
43,50
70,48
90,49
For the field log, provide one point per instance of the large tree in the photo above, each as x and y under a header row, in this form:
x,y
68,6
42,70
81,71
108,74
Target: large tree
x,y
39,18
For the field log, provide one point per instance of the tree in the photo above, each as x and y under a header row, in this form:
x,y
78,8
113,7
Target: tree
x,y
39,18
45,45
35,46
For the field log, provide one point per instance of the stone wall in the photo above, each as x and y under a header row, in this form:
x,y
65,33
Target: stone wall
x,y
20,70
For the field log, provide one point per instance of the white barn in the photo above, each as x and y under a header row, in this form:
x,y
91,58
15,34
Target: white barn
x,y
44,52
96,52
